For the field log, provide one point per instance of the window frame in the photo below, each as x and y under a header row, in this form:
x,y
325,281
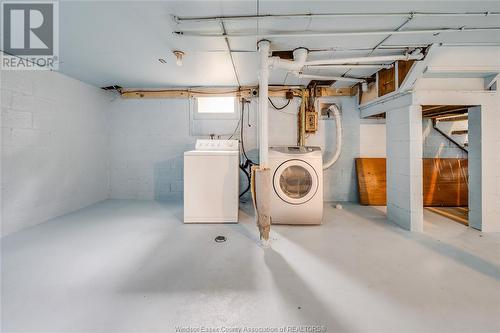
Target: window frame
x,y
219,115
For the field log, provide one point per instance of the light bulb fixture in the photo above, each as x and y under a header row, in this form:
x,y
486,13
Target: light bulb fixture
x,y
178,56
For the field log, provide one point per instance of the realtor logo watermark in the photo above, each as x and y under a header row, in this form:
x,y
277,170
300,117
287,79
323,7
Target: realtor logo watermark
x,y
30,35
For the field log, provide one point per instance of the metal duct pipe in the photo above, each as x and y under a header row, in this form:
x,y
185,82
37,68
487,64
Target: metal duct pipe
x,y
412,56
263,47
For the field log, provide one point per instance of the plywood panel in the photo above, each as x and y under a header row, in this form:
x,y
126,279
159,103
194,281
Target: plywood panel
x,y
403,69
386,81
371,181
444,181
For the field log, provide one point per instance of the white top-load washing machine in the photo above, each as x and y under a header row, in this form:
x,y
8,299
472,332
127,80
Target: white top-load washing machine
x,y
211,182
297,185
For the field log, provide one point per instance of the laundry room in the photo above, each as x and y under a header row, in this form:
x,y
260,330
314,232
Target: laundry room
x,y
250,166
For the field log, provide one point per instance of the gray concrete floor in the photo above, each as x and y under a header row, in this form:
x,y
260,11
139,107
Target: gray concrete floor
x,y
122,266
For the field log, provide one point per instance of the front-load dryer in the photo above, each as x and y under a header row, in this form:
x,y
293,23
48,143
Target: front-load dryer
x,y
297,185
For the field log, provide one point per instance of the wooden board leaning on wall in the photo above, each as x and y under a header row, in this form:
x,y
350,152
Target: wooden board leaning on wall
x,y
444,181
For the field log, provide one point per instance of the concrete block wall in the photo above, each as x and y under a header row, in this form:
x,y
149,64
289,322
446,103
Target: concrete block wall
x,y
147,142
475,170
372,138
484,165
148,139
404,167
54,146
490,164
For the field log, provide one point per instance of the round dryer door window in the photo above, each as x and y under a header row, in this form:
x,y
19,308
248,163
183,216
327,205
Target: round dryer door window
x,y
295,181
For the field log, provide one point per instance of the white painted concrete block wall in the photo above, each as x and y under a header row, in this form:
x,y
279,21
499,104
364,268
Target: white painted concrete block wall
x,y
490,163
147,142
54,146
372,138
149,137
475,172
404,167
484,165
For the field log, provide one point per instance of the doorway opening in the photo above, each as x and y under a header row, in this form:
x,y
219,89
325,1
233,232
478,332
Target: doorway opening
x,y
445,161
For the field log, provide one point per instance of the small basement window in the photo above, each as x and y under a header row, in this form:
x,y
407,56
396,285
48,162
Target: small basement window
x,y
215,107
216,104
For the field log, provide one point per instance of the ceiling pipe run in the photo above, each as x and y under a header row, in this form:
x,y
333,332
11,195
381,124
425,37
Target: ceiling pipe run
x,y
329,78
179,19
296,65
357,66
411,56
331,33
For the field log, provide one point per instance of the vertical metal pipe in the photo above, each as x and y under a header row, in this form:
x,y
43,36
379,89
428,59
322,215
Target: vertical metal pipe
x,y
263,47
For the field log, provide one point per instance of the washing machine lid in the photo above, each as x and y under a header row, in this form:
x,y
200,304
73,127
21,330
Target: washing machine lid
x,y
295,181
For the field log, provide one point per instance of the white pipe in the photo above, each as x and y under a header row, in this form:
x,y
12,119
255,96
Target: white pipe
x,y
263,47
330,33
413,56
359,66
325,77
299,58
178,19
338,126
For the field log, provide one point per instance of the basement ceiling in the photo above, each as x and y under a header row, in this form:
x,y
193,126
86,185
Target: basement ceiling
x,y
119,42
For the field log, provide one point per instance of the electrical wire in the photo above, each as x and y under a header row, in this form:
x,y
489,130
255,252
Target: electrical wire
x,y
279,108
248,162
239,120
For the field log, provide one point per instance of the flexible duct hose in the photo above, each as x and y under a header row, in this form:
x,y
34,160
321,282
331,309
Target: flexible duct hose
x,y
338,126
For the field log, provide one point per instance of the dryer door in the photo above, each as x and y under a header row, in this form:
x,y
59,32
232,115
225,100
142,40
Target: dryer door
x,y
295,181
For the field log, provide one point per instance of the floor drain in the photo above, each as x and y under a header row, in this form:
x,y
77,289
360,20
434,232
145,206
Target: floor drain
x,y
220,239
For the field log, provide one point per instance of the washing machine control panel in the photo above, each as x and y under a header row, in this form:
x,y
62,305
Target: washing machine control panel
x,y
217,145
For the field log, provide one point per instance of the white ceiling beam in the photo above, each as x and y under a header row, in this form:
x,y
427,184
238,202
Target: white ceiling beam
x,y
394,100
461,72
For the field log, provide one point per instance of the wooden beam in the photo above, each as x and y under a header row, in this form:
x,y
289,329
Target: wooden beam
x,y
185,92
331,92
245,92
441,110
452,118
